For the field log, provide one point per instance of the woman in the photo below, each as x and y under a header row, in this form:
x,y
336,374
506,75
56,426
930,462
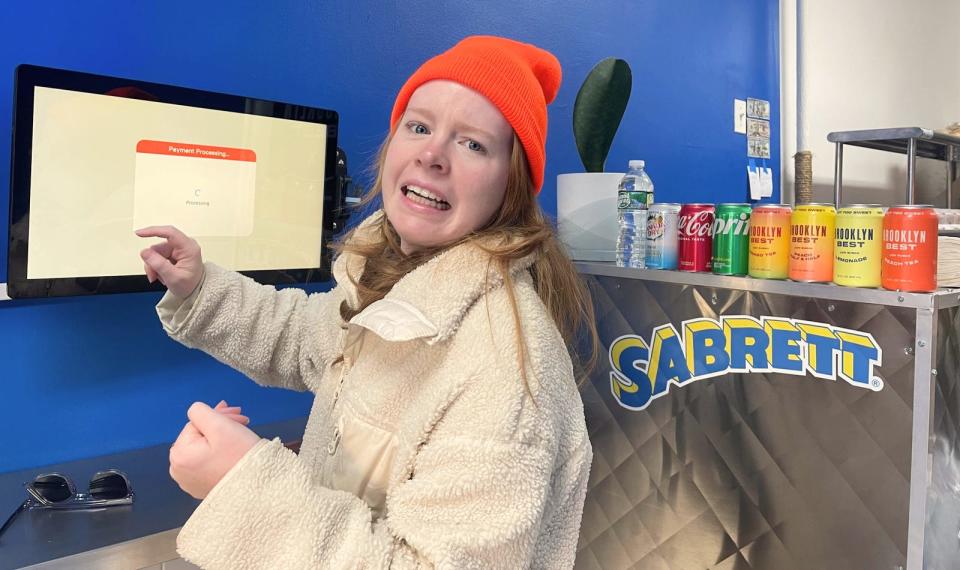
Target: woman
x,y
447,429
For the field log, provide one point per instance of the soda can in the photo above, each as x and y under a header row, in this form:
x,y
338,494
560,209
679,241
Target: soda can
x,y
858,245
731,239
811,243
662,224
910,249
770,241
694,241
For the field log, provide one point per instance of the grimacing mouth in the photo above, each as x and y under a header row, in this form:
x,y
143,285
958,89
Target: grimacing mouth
x,y
423,196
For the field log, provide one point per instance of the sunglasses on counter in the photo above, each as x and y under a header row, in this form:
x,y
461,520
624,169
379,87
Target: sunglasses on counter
x,y
56,491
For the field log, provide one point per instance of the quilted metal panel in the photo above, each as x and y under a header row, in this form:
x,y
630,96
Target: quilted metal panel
x,y
761,471
942,529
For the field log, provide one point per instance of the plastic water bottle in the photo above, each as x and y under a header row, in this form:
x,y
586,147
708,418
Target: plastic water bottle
x,y
634,196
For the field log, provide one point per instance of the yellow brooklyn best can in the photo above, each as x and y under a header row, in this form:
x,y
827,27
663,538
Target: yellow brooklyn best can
x,y
858,246
770,241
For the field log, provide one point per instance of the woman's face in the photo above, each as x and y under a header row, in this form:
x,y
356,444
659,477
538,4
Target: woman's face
x,y
445,171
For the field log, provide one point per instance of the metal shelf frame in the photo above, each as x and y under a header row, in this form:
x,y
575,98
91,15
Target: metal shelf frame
x,y
912,141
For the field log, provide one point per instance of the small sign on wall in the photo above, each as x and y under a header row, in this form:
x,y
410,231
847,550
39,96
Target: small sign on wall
x,y
758,108
740,116
758,128
758,147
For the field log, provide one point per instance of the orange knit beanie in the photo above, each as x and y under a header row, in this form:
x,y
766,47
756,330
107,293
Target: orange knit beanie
x,y
519,79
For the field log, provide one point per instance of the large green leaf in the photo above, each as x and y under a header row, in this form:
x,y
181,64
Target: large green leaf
x,y
599,107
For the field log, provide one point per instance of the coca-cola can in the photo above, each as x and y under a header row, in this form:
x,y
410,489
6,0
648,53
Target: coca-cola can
x,y
694,240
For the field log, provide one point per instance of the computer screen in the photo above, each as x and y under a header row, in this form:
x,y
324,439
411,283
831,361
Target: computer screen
x,y
97,157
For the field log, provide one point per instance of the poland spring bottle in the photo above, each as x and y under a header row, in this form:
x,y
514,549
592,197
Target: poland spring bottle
x,y
634,196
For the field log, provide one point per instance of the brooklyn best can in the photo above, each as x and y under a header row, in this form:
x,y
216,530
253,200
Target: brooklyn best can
x,y
731,239
694,241
858,245
811,243
770,241
662,222
910,249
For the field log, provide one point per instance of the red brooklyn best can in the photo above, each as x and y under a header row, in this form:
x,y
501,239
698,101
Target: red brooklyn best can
x,y
694,241
909,260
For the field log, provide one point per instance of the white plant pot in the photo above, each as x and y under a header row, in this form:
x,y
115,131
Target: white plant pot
x,y
587,214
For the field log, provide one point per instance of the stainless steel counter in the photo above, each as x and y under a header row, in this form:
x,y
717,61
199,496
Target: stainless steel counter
x,y
944,298
74,539
712,453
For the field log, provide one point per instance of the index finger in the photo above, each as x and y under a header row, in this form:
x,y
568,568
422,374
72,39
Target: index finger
x,y
167,232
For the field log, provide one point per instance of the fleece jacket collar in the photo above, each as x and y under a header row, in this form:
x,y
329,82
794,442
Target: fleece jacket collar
x,y
429,302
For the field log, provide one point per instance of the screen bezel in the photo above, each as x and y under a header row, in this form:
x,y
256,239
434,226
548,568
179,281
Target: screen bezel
x,y
28,77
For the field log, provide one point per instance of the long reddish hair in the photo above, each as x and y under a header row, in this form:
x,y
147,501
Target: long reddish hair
x,y
518,229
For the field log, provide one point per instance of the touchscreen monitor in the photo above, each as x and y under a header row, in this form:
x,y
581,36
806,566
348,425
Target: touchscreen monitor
x,y
96,157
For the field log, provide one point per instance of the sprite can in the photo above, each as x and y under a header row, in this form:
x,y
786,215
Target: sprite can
x,y
731,239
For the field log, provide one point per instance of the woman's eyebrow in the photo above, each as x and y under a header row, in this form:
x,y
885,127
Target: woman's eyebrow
x,y
464,127
425,113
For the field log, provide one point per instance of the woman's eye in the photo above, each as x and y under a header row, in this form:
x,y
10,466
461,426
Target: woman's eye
x,y
475,146
418,128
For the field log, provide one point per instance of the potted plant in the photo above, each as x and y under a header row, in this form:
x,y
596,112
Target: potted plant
x,y
587,201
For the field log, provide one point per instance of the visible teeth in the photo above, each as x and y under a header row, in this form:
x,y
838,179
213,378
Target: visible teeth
x,y
424,192
425,197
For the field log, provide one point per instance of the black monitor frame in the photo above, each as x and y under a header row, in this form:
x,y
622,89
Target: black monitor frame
x,y
28,77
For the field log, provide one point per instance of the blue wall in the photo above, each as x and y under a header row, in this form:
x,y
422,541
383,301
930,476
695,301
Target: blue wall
x,y
87,376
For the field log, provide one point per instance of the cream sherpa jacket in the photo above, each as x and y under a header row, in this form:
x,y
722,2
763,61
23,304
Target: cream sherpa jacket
x,y
422,449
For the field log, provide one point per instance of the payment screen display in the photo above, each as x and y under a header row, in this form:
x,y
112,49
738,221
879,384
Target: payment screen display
x,y
248,188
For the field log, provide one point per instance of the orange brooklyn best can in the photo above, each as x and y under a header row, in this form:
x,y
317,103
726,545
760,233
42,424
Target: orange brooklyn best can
x,y
910,249
770,241
811,243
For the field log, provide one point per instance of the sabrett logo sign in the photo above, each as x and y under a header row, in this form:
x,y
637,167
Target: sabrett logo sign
x,y
643,371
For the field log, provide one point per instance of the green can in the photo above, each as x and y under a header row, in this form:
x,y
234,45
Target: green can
x,y
731,239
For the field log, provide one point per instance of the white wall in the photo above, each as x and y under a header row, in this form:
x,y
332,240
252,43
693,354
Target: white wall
x,y
865,64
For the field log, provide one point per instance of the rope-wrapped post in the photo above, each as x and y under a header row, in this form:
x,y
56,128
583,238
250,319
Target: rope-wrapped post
x,y
803,177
